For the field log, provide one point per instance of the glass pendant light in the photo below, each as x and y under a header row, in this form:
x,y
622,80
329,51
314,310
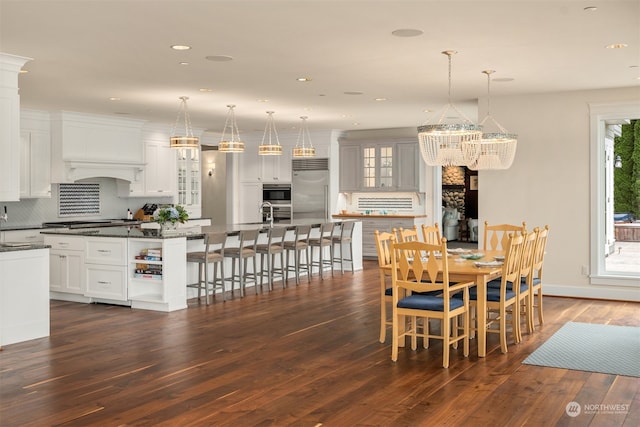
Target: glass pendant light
x,y
450,144
187,140
269,147
304,147
497,148
233,144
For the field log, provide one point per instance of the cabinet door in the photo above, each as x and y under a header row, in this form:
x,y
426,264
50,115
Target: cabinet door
x,y
28,236
250,198
160,170
35,164
66,271
407,167
350,168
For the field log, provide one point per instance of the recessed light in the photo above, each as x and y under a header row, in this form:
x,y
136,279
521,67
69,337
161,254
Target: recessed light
x,y
183,63
590,9
304,79
114,98
356,123
180,47
219,58
617,46
353,92
380,99
407,32
122,113
262,100
204,89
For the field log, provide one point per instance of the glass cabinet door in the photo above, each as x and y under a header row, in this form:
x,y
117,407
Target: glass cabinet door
x,y
378,166
189,177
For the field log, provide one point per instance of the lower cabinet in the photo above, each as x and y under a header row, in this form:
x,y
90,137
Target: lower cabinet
x,y
369,225
105,267
157,271
66,264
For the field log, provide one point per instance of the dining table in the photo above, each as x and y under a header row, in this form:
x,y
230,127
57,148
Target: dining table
x,y
466,270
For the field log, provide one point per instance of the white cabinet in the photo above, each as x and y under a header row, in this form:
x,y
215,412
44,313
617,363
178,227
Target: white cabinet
x,y
370,224
160,172
28,236
189,181
157,272
66,264
276,169
35,164
250,198
105,262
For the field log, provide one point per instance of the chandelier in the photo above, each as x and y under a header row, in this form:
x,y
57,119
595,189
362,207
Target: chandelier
x,y
450,144
233,144
268,147
497,149
304,147
187,140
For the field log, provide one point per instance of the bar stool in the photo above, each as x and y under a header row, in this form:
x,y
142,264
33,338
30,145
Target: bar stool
x,y
345,236
209,256
246,249
321,242
298,245
273,247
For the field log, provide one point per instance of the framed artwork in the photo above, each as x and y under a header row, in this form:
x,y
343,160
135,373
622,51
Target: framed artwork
x,y
473,182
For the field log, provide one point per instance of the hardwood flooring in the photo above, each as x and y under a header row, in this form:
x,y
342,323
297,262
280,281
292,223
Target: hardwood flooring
x,y
303,356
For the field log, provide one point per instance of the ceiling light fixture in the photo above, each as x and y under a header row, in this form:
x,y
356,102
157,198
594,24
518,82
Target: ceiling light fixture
x,y
233,144
304,79
450,144
302,149
497,149
617,46
187,140
180,47
268,147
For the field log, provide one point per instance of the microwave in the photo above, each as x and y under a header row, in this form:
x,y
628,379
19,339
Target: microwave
x,y
277,194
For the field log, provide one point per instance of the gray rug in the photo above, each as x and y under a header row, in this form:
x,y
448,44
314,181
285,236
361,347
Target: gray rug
x,y
594,348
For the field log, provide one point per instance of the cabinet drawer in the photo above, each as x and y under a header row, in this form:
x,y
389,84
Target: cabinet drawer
x,y
106,251
68,243
28,236
107,282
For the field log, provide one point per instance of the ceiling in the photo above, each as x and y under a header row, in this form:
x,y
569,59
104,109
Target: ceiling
x,y
86,52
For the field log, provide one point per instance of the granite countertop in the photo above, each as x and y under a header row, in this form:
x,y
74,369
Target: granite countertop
x,y
361,215
22,247
20,227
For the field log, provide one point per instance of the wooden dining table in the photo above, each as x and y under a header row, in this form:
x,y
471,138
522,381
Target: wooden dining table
x,y
466,271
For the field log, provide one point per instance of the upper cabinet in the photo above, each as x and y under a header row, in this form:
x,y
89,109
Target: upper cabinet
x,y
35,155
88,146
189,181
380,166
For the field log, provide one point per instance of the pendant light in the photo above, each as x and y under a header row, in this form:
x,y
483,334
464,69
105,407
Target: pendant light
x,y
269,147
450,144
304,147
497,148
233,144
187,140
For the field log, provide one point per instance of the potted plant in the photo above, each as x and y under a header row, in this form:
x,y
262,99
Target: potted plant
x,y
168,216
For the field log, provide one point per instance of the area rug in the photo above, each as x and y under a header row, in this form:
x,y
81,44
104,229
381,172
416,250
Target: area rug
x,y
590,347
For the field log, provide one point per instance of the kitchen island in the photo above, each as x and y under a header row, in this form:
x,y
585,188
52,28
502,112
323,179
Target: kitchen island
x,y
140,267
24,292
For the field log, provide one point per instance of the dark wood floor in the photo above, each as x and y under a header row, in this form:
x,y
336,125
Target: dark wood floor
x,y
303,356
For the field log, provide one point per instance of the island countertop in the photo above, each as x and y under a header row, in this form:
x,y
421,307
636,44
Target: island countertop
x,y
356,215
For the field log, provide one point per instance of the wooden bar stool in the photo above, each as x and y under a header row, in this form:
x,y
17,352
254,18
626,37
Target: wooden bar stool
x,y
213,254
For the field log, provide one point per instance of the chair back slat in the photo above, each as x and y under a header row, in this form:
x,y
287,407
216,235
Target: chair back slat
x,y
496,237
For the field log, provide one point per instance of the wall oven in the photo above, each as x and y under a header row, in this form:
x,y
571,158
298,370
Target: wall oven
x,y
277,194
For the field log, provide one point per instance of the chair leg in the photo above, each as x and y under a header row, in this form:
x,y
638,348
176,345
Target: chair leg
x,y
308,261
206,283
503,330
446,341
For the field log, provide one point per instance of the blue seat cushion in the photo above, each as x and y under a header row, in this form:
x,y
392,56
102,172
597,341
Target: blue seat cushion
x,y
428,302
388,292
495,284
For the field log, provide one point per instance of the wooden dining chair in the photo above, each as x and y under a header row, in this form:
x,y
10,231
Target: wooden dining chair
x,y
383,249
421,290
502,299
409,234
526,279
496,236
431,234
535,295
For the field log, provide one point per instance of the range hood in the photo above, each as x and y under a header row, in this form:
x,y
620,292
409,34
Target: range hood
x,y
89,146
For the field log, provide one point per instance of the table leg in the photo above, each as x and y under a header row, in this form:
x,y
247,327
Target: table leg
x,y
481,314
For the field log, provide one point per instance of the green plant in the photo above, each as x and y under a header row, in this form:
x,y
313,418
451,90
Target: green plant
x,y
171,215
626,180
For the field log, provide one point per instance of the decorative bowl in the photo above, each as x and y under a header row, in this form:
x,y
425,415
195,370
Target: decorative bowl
x,y
472,256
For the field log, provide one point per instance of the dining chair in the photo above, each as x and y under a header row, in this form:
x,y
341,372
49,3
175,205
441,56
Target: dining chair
x,y
343,235
409,234
246,249
431,234
535,293
322,241
526,276
502,298
496,236
213,254
269,251
383,249
298,245
421,289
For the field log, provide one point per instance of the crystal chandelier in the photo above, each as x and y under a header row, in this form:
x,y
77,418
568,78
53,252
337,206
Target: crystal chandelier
x,y
233,144
187,140
450,144
304,147
497,149
269,147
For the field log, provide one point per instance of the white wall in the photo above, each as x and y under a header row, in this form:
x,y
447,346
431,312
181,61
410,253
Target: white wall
x,y
549,181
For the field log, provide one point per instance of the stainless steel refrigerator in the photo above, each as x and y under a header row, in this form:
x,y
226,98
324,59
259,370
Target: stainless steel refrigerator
x,y
310,188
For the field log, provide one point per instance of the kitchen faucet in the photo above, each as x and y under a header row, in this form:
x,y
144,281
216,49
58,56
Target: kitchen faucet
x,y
270,214
4,217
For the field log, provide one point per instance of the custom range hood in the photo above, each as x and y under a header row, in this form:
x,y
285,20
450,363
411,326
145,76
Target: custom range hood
x,y
88,146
